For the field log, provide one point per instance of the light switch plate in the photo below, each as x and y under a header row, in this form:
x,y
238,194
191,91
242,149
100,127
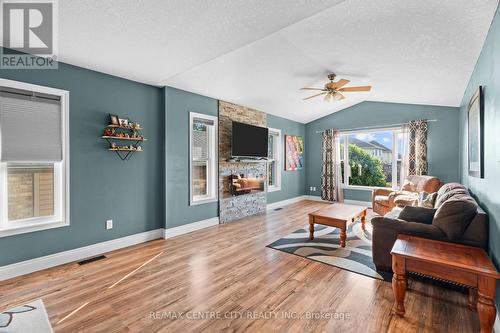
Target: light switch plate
x,y
109,224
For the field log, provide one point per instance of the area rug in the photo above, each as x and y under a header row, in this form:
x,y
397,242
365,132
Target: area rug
x,y
28,318
356,256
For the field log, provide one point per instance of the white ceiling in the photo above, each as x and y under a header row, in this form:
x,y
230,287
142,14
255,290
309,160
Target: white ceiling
x,y
259,53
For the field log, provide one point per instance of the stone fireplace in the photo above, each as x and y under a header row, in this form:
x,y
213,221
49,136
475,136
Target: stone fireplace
x,y
242,184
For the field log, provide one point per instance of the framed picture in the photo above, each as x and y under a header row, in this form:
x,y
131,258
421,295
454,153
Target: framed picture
x,y
113,120
294,152
123,122
475,137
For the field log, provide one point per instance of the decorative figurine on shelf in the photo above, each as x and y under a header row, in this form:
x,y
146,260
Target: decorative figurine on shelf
x,y
113,145
139,148
108,132
137,125
127,135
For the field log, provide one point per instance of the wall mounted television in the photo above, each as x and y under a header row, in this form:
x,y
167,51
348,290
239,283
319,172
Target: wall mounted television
x,y
249,141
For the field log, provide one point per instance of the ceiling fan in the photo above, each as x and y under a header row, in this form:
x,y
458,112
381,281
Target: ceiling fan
x,y
334,89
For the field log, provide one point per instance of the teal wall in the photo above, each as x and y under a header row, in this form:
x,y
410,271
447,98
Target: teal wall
x,y
487,74
443,153
292,182
101,185
178,105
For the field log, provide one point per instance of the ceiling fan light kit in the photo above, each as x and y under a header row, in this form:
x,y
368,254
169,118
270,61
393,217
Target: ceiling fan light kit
x,y
335,89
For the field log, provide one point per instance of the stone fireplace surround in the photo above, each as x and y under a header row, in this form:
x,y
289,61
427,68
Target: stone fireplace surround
x,y
235,207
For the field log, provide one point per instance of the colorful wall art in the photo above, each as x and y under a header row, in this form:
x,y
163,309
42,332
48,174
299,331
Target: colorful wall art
x,y
294,152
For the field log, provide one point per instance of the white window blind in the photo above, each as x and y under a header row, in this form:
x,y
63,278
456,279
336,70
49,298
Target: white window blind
x,y
30,127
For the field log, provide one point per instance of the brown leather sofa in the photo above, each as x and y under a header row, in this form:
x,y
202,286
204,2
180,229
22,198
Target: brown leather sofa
x,y
384,200
458,219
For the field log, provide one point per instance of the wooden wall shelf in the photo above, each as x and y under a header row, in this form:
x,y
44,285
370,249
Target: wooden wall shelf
x,y
125,127
125,151
120,138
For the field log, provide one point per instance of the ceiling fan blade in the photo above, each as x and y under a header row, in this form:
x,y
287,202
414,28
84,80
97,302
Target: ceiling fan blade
x,y
363,88
338,96
314,95
339,83
322,89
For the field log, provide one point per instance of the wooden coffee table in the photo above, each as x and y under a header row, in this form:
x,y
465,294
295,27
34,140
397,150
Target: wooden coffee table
x,y
464,265
337,215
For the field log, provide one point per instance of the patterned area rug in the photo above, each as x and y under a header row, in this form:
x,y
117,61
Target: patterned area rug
x,y
27,318
355,257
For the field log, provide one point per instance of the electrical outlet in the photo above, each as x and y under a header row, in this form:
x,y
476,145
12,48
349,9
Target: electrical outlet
x,y
109,224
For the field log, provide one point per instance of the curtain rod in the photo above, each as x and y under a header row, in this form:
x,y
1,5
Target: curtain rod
x,y
372,127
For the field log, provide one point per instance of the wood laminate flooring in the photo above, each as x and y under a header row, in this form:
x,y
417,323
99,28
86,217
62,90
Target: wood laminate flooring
x,y
225,279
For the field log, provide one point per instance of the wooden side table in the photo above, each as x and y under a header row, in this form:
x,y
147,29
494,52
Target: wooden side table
x,y
460,264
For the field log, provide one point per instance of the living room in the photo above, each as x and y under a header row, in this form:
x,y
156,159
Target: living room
x,y
263,166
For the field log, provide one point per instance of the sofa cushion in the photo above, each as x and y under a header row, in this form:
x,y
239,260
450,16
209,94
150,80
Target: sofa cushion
x,y
382,199
415,183
406,200
449,195
417,214
449,187
454,215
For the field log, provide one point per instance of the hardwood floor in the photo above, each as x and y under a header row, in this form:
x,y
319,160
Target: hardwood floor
x,y
228,271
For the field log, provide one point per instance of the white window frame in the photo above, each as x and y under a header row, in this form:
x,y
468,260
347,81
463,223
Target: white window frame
x,y
212,188
277,159
61,174
347,168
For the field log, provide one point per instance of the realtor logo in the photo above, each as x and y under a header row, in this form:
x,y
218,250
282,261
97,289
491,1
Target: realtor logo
x,y
28,27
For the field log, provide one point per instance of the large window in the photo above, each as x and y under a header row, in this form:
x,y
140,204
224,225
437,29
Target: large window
x,y
203,152
34,173
274,160
371,158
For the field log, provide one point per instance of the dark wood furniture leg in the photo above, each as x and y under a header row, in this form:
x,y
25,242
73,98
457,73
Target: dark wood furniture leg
x,y
363,220
486,309
343,236
472,299
399,284
311,227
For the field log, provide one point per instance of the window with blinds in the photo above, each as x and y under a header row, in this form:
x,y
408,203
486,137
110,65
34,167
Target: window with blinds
x,y
274,160
203,129
33,168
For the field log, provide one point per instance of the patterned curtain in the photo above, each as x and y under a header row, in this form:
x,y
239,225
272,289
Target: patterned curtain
x,y
330,171
416,158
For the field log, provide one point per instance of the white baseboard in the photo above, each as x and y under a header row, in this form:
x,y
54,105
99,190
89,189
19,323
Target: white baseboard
x,y
290,201
314,198
496,326
56,259
347,201
184,229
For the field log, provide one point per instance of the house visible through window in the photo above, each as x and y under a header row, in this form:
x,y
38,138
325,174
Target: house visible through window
x,y
34,172
372,158
203,168
274,160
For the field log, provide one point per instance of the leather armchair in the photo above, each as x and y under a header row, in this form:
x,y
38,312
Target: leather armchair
x,y
384,200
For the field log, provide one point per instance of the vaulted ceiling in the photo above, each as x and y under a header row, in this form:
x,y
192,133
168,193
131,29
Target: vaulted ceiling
x,y
259,53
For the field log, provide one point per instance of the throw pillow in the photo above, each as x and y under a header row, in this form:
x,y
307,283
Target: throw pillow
x,y
417,214
454,215
427,200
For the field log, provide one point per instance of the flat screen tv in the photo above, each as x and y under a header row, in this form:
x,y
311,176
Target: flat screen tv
x,y
249,140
